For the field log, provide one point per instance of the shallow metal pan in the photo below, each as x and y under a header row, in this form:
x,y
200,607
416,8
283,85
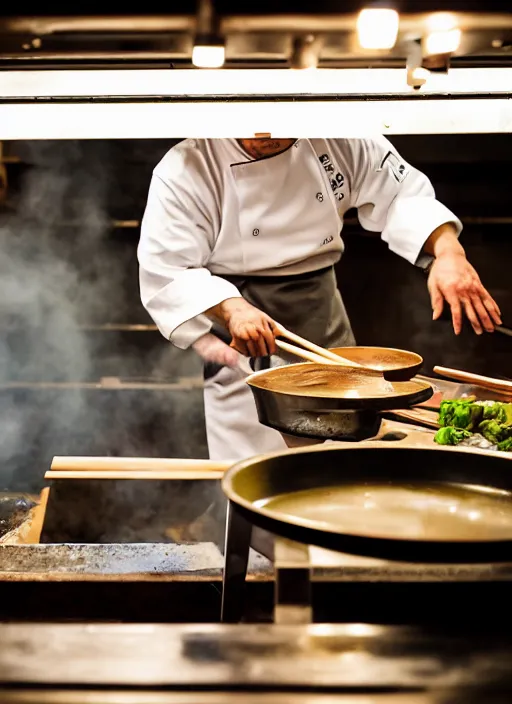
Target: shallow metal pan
x,y
352,412
253,486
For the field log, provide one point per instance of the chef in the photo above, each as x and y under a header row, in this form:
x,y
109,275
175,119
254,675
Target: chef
x,y
240,234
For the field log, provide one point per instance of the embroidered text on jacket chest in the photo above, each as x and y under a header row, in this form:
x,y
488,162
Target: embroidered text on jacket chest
x,y
336,178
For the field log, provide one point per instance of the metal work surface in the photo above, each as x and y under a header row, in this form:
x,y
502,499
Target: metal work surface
x,y
358,657
124,562
160,561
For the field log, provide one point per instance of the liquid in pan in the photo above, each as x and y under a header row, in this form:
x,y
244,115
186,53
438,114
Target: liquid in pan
x,y
332,382
415,511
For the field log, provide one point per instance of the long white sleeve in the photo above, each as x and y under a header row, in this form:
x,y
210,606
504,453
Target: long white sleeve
x,y
397,200
177,239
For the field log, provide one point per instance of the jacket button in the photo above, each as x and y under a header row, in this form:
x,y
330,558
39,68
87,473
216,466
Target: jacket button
x,y
320,197
255,232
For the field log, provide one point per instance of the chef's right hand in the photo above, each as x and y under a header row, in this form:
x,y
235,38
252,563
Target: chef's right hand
x,y
253,331
211,349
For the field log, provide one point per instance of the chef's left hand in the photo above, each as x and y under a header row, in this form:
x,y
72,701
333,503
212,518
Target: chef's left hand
x,y
453,279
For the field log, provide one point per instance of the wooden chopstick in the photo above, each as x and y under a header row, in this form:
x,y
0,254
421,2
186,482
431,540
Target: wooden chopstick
x,y
189,475
485,382
327,354
306,354
135,464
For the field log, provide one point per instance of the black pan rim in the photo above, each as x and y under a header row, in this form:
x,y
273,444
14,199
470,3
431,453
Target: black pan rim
x,y
332,403
401,549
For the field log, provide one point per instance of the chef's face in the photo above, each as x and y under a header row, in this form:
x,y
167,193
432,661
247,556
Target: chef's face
x,y
264,146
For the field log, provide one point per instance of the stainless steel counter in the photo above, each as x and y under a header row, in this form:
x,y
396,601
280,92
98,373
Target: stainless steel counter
x,y
354,659
203,561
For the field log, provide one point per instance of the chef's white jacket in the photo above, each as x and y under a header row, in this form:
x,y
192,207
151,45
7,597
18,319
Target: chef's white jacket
x,y
213,211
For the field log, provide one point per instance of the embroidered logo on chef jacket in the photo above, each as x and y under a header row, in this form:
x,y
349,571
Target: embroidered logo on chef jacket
x,y
336,178
397,167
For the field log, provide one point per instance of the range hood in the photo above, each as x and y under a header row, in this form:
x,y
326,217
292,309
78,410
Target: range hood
x,y
49,88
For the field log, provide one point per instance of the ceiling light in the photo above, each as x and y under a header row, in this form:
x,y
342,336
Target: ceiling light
x,y
377,28
445,42
441,22
208,51
208,55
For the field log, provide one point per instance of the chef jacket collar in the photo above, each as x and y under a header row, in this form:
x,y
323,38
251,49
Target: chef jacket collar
x,y
263,158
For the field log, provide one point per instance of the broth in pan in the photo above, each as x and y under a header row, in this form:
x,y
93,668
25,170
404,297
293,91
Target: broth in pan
x,y
416,511
318,380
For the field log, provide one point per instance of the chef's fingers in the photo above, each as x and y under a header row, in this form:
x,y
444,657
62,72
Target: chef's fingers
x,y
482,313
263,336
252,334
254,349
472,315
269,336
454,304
240,346
491,306
436,298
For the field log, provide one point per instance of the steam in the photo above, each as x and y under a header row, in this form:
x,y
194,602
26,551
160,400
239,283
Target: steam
x,y
59,272
53,278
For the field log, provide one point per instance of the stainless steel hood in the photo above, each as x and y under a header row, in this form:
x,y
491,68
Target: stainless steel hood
x,y
131,77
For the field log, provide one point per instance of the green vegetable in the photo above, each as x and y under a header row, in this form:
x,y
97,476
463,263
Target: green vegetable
x,y
450,435
505,445
494,410
461,413
459,418
476,416
492,430
451,413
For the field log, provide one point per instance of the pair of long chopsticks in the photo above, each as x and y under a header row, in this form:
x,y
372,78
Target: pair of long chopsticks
x,y
135,468
485,382
310,351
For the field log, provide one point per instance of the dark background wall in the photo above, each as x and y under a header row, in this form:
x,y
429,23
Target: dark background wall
x,y
68,276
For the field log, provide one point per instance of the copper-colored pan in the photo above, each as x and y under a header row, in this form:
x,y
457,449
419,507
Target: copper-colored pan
x,y
329,402
396,365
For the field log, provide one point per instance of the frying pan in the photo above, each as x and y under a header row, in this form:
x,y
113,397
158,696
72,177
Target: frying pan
x,y
396,365
350,412
452,505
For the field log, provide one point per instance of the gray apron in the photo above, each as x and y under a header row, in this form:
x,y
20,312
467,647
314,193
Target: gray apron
x,y
309,305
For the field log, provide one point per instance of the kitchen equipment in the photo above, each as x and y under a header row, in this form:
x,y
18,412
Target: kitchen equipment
x,y
485,382
382,500
394,364
325,355
154,468
304,354
503,330
316,401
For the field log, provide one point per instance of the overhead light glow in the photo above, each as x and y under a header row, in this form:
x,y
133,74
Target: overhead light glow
x,y
208,56
377,28
442,42
334,119
181,83
441,22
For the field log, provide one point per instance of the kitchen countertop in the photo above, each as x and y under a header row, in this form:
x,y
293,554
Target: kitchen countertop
x,y
351,659
157,562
